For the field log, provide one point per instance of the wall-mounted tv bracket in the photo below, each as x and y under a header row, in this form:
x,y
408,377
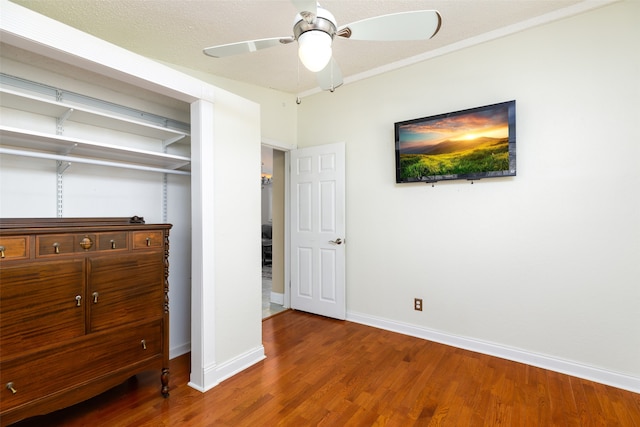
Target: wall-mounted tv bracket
x,y
433,183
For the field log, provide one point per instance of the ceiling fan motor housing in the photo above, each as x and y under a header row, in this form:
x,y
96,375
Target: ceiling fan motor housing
x,y
324,21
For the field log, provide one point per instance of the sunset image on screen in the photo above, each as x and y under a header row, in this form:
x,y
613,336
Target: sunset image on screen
x,y
459,144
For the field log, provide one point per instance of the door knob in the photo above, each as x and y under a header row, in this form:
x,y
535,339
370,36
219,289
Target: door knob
x,y
338,241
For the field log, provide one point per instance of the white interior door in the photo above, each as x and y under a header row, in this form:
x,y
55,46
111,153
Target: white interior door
x,y
318,230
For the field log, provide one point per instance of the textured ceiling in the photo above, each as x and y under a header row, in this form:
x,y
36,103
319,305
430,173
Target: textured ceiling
x,y
176,31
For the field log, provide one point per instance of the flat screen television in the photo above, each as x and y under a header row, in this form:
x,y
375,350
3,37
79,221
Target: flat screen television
x,y
469,144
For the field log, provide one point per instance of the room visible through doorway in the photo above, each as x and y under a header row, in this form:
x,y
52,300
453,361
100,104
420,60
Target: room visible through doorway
x,y
272,216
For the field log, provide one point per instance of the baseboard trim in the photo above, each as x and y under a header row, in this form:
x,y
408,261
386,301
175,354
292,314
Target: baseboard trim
x,y
590,373
277,298
215,374
179,350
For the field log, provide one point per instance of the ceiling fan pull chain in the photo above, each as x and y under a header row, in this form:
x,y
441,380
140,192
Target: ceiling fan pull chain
x,y
298,100
333,87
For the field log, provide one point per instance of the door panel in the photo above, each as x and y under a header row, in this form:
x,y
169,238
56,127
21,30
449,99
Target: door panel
x,y
318,230
305,279
41,303
125,289
328,206
328,291
304,207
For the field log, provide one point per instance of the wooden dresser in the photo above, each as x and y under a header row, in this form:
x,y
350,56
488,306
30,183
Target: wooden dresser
x,y
83,306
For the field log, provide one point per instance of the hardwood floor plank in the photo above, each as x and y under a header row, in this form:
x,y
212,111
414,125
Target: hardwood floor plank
x,y
325,372
563,405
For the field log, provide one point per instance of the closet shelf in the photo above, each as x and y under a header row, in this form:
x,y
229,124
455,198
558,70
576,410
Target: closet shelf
x,y
63,108
29,143
79,113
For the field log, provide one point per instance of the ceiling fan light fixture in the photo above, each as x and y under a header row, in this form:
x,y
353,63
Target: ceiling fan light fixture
x,y
314,28
314,50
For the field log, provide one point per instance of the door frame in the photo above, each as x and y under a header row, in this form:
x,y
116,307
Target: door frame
x,y
286,148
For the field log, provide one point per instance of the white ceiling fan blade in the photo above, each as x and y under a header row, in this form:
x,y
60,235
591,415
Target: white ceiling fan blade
x,y
245,47
416,25
306,6
330,77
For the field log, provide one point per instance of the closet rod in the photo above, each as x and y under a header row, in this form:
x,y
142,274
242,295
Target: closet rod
x,y
38,155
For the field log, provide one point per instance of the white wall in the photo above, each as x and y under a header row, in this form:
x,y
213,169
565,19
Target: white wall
x,y
238,253
225,298
278,110
547,262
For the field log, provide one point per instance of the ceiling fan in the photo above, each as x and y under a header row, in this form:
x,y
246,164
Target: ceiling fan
x,y
315,27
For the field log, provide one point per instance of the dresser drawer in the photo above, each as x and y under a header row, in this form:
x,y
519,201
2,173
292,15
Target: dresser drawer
x,y
112,241
63,368
56,244
147,239
14,247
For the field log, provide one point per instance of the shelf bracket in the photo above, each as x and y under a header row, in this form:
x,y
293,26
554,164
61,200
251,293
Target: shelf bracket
x,y
69,150
60,121
168,142
61,167
179,165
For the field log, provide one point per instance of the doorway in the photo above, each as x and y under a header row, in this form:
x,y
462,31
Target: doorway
x,y
273,206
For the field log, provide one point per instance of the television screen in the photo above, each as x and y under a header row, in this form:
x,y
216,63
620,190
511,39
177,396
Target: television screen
x,y
468,144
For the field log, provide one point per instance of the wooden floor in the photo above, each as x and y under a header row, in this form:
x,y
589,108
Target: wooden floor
x,y
326,372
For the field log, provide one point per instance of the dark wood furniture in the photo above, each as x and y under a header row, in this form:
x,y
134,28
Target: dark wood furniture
x,y
83,306
267,242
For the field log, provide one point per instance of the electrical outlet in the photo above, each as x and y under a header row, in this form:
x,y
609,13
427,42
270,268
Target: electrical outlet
x,y
417,304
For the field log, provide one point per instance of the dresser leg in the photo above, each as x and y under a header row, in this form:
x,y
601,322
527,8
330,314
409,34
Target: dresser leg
x,y
164,378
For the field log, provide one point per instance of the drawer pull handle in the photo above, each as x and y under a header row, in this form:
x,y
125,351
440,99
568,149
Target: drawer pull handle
x,y
95,297
86,243
11,388
113,244
78,299
144,344
148,241
1,251
56,248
